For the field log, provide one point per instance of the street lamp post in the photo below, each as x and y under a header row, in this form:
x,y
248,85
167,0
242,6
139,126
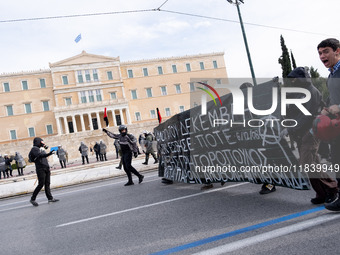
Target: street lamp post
x,y
237,3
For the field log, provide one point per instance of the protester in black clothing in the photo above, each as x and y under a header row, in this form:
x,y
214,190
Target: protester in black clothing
x,y
96,149
128,146
39,157
8,162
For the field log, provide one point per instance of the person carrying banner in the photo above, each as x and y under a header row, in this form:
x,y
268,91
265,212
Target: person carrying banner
x,y
42,168
329,54
308,145
128,146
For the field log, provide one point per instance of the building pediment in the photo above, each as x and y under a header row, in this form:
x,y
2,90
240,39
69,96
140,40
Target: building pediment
x,y
83,58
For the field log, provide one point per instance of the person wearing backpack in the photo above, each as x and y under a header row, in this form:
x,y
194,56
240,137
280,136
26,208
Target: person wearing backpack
x,y
83,149
128,146
39,156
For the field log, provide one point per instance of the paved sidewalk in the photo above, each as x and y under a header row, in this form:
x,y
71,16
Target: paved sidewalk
x,y
75,173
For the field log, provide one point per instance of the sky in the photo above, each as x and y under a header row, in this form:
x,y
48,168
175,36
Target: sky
x,y
32,45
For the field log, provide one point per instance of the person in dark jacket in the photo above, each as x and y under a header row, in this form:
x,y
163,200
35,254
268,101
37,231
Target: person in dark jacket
x,y
83,149
96,149
128,146
8,162
308,145
39,156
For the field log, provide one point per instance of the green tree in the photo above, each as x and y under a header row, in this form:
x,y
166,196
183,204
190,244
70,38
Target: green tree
x,y
293,59
284,59
319,82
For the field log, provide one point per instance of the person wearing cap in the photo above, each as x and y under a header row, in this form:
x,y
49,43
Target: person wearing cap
x,y
329,54
307,144
128,146
39,156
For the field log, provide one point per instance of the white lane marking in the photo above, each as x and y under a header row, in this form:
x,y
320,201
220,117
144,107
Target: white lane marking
x,y
148,205
234,246
75,191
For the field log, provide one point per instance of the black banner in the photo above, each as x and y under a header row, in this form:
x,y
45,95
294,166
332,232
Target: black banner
x,y
221,147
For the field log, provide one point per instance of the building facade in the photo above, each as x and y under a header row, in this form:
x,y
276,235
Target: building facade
x,y
70,97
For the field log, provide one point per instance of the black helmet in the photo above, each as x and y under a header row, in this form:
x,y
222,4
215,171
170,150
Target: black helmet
x,y
121,128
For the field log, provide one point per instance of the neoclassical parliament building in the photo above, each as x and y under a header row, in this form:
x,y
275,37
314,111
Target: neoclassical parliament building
x,y
67,101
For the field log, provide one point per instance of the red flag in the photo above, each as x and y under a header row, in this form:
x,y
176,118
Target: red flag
x,y
105,118
159,116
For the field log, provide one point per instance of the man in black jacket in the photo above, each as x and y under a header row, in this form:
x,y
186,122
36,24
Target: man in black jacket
x,y
39,157
128,146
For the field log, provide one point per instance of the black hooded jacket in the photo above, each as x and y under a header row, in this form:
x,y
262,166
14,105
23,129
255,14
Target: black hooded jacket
x,y
304,122
38,155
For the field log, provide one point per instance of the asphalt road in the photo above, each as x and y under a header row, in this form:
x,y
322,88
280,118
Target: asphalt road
x,y
107,218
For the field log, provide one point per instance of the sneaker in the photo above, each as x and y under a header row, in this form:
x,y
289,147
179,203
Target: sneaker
x,y
141,178
128,184
144,163
156,161
207,186
331,198
34,203
317,200
118,167
53,200
334,206
266,189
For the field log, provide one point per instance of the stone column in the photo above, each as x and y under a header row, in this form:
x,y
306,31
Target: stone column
x,y
121,116
114,118
75,130
98,121
83,129
66,125
58,125
90,121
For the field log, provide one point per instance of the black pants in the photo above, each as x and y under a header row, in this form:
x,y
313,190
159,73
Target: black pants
x,y
128,168
117,151
3,174
103,157
44,179
62,163
97,156
83,158
20,170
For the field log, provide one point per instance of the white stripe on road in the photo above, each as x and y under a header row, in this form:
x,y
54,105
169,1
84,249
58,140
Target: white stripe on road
x,y
73,191
234,246
148,205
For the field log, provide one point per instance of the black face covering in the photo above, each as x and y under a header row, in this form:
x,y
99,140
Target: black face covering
x,y
123,133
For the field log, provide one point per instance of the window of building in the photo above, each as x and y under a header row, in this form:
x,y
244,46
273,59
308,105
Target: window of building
x,y
28,108
192,86
160,70
95,75
134,94
49,129
113,95
181,108
145,71
24,85
13,134
188,67
138,117
99,95
178,88
149,92
46,106
163,91
65,79
31,132
218,81
109,75
42,83
91,96
80,76
87,76
202,65
68,101
167,112
215,64
83,97
130,73
9,109
174,68
6,87
153,114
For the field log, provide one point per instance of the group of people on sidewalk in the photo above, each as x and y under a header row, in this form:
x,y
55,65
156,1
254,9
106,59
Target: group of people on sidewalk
x,y
6,169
